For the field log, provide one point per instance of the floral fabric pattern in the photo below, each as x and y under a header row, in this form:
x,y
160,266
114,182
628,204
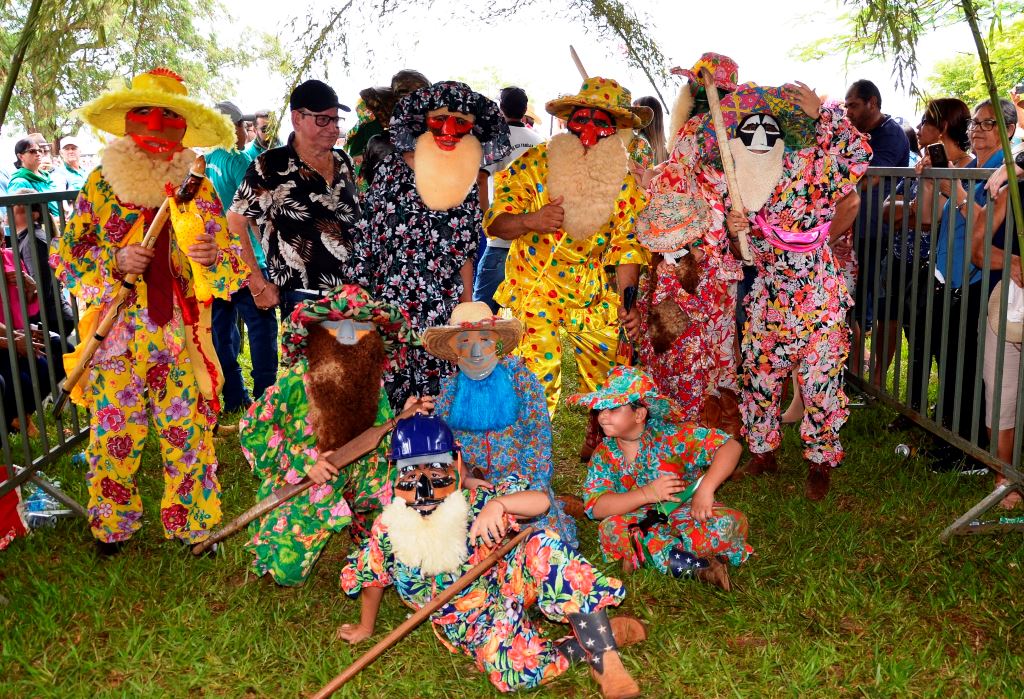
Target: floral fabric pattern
x,y
278,440
684,450
412,256
304,224
522,449
490,621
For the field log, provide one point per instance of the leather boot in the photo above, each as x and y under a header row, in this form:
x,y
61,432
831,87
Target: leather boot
x,y
716,574
593,438
819,477
573,506
757,465
627,630
683,564
594,632
730,421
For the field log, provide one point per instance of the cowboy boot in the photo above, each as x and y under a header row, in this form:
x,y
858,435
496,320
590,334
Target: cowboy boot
x,y
757,465
626,629
684,564
573,506
595,635
819,477
730,420
593,438
716,574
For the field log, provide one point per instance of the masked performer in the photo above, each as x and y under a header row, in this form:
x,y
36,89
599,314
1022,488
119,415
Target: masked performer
x,y
797,307
495,405
434,531
687,301
157,362
418,241
569,206
334,351
643,476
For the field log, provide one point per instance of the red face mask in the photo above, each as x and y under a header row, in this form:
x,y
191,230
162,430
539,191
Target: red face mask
x,y
591,125
156,122
448,129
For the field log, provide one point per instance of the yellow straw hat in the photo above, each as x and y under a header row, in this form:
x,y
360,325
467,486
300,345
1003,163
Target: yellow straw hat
x,y
472,315
602,93
160,87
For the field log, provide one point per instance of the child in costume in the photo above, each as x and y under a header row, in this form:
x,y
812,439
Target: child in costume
x,y
157,362
643,475
495,405
334,352
434,531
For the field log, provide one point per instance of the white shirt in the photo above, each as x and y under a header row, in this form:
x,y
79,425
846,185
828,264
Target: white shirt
x,y
522,139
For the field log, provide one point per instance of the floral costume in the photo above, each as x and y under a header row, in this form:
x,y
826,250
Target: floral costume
x,y
522,449
489,621
144,371
797,306
412,255
689,449
553,282
278,440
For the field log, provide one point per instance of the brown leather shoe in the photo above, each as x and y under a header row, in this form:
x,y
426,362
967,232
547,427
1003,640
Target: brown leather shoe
x,y
628,630
819,477
717,574
573,506
615,681
757,465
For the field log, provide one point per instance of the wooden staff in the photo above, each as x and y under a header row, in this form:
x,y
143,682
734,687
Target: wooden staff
x,y
578,62
723,150
421,615
186,192
343,456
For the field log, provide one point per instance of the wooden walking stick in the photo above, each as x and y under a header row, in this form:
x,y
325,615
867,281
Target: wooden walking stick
x,y
421,615
342,456
186,192
723,150
578,62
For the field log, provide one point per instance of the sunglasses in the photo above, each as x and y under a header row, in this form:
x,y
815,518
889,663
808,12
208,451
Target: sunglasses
x,y
33,151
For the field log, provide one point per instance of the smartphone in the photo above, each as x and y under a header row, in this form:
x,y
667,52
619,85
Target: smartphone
x,y
937,153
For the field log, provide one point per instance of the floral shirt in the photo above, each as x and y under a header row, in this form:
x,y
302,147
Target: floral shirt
x,y
549,273
304,225
806,291
685,450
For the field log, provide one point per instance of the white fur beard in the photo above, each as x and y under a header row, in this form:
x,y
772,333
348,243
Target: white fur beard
x,y
756,174
435,543
138,179
444,178
588,179
681,111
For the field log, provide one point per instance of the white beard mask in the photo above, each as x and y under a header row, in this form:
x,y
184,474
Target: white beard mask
x,y
590,181
445,178
756,173
435,543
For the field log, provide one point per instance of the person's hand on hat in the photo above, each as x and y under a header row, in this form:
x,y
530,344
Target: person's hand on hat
x,y
548,218
805,98
323,470
423,405
204,250
133,259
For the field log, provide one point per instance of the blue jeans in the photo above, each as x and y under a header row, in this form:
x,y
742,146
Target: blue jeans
x,y
290,298
261,327
490,273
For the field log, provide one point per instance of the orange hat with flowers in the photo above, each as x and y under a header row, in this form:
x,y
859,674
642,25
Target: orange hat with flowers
x,y
602,93
160,87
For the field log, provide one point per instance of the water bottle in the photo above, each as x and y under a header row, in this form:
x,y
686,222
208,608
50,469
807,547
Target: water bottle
x,y
905,451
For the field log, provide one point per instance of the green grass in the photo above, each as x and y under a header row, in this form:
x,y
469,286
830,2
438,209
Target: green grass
x,y
854,596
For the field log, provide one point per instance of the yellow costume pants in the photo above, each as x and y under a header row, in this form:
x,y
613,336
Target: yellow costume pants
x,y
126,391
541,350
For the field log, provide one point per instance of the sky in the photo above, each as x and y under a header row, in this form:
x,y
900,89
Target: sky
x,y
531,49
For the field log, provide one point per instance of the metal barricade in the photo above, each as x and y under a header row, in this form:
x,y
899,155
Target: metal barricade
x,y
31,364
925,278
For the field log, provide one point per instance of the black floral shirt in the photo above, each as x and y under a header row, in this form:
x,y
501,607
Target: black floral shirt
x,y
304,225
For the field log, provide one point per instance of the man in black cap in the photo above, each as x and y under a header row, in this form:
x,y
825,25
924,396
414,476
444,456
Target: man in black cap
x,y
302,202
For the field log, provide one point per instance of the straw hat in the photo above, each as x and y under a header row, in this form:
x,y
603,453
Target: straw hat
x,y
1014,331
473,315
160,87
602,93
671,221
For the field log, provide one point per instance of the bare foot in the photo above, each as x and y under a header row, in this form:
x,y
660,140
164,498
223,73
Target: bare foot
x,y
353,633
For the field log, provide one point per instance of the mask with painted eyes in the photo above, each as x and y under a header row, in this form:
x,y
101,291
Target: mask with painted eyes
x,y
424,486
448,128
759,132
591,125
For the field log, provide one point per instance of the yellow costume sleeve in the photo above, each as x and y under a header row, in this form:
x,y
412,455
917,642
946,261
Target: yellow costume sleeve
x,y
624,248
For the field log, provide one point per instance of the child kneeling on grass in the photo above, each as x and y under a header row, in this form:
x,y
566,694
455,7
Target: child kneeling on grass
x,y
652,484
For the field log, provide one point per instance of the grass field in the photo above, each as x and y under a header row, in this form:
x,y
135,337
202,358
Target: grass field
x,y
853,596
